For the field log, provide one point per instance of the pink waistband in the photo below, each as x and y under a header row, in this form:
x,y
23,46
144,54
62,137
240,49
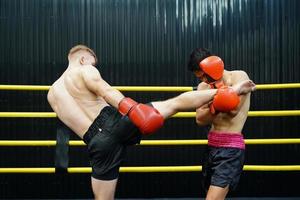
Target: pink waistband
x,y
222,139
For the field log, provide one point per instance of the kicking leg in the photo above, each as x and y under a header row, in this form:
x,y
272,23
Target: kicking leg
x,y
194,99
184,102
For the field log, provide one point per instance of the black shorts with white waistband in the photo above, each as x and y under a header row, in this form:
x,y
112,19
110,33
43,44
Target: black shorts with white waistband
x,y
107,139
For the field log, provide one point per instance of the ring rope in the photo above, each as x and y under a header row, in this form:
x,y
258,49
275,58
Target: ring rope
x,y
29,114
148,142
151,88
266,113
162,142
150,169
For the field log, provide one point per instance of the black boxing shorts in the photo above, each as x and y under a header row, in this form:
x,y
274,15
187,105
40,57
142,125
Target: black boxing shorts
x,y
223,161
107,139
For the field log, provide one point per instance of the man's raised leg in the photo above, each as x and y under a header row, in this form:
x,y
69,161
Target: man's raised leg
x,y
186,101
195,99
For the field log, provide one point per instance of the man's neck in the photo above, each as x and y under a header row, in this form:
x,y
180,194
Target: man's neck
x,y
73,65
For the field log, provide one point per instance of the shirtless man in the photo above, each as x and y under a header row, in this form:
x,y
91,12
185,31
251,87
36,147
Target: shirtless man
x,y
106,120
224,159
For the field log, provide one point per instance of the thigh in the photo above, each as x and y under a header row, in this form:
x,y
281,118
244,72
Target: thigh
x,y
207,164
228,165
104,189
106,155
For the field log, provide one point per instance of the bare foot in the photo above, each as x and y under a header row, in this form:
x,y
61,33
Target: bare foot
x,y
244,87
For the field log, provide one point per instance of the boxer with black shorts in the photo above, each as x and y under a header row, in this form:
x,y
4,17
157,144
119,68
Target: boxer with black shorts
x,y
106,120
227,114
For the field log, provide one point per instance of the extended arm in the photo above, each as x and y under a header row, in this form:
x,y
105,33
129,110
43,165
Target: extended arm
x,y
100,87
145,117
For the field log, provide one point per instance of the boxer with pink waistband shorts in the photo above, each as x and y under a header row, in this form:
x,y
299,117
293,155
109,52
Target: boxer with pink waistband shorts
x,y
226,114
108,121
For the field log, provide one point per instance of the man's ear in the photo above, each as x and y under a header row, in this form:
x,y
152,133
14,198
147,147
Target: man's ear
x,y
81,60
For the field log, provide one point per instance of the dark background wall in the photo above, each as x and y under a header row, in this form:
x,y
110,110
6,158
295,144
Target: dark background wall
x,y
148,43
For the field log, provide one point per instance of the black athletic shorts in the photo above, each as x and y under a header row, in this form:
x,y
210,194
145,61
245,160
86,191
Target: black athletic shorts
x,y
222,166
107,139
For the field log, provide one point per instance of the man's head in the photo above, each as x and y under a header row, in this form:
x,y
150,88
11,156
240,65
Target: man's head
x,y
83,55
207,67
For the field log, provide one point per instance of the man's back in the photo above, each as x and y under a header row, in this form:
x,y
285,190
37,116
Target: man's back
x,y
73,102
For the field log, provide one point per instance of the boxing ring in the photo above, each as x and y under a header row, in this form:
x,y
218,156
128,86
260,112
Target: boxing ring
x,y
150,169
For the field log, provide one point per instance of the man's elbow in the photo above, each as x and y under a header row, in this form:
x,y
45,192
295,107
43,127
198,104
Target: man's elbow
x,y
200,122
234,112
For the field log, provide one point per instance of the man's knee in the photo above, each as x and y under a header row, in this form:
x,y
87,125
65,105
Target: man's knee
x,y
103,189
214,196
217,193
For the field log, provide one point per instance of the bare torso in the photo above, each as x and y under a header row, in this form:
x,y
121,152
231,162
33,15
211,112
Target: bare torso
x,y
234,121
75,105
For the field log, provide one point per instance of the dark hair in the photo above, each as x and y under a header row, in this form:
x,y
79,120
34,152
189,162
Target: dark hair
x,y
197,56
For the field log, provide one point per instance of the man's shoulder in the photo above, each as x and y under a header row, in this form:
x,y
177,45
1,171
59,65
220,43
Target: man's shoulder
x,y
89,72
240,74
89,69
56,82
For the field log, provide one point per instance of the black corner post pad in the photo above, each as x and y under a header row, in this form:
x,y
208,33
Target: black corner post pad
x,y
62,148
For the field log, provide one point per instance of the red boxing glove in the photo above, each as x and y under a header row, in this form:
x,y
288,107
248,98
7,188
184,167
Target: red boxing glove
x,y
225,100
145,117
